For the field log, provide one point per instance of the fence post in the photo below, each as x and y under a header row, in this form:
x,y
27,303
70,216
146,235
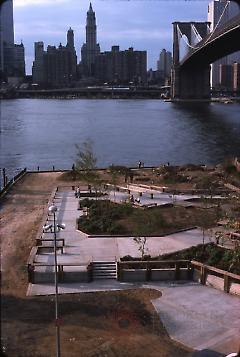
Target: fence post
x,y
226,283
203,275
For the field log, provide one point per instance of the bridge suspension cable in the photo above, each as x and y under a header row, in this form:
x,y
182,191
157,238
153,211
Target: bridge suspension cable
x,y
198,35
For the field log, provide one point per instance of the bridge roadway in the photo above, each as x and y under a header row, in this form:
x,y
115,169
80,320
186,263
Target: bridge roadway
x,y
224,41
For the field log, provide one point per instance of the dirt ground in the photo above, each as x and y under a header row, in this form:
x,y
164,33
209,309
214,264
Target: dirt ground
x,y
94,325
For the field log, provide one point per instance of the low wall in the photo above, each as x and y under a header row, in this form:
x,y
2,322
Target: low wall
x,y
41,275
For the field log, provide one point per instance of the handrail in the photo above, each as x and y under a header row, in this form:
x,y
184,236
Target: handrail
x,y
215,270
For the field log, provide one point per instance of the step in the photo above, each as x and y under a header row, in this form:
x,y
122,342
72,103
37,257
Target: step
x,y
104,270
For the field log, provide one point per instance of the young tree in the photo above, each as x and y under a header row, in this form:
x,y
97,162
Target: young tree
x,y
86,162
141,242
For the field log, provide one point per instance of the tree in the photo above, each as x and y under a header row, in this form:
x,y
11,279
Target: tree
x,y
86,162
141,241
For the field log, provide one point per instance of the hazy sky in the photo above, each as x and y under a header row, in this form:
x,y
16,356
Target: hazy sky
x,y
143,24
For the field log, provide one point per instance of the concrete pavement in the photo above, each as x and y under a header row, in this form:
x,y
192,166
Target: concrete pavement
x,y
197,316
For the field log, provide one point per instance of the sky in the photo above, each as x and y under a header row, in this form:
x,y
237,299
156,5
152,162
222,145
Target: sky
x,y
142,24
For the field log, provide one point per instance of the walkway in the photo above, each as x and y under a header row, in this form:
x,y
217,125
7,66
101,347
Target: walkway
x,y
80,249
197,316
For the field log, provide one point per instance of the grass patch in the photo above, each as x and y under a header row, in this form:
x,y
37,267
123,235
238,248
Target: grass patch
x,y
106,217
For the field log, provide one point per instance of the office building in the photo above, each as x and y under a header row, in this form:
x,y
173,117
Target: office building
x,y
91,48
19,60
236,77
71,48
6,39
37,68
57,66
226,76
121,67
164,64
215,10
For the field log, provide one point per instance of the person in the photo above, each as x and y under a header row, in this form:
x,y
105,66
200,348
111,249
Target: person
x,y
139,164
78,192
131,198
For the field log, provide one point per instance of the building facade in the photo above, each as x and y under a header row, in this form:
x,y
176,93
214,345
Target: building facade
x,y
226,77
91,48
19,60
6,39
121,67
215,11
164,64
57,66
71,48
38,76
236,77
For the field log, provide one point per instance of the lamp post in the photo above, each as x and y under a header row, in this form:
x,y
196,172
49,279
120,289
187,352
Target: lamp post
x,y
53,210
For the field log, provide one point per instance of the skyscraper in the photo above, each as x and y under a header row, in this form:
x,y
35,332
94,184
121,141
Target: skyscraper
x,y
71,48
215,10
91,48
6,38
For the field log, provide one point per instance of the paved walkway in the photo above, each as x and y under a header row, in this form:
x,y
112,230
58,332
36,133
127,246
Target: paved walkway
x,y
80,249
197,316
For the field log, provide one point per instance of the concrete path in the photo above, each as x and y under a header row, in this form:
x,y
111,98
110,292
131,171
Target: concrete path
x,y
197,316
201,317
80,249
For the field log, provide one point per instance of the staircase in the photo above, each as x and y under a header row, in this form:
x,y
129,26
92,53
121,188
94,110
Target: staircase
x,y
104,270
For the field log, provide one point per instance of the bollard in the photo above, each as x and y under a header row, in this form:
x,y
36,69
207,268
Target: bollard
x,y
152,196
140,194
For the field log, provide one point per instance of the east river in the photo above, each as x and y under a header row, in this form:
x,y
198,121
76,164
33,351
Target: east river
x,y
36,132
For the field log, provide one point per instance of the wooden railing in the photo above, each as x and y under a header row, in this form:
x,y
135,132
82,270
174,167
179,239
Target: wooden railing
x,y
207,269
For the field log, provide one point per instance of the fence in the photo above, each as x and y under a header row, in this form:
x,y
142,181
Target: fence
x,y
8,184
217,278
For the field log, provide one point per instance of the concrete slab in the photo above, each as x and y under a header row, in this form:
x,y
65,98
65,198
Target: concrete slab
x,y
197,316
201,317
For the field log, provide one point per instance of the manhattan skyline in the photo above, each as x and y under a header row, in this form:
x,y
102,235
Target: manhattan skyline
x,y
147,26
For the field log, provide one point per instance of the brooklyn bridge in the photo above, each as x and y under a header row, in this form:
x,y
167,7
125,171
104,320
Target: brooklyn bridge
x,y
191,74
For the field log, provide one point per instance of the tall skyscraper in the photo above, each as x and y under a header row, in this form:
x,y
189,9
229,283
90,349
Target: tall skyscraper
x,y
71,48
215,10
6,38
91,48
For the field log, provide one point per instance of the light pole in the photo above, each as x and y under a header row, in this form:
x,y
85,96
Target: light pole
x,y
53,210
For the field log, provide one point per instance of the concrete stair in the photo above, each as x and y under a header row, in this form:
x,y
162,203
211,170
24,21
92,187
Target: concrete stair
x,y
104,270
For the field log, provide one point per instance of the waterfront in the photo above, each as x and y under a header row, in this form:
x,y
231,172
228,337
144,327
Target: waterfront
x,y
43,133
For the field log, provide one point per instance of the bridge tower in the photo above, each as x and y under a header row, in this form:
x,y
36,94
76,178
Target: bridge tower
x,y
189,82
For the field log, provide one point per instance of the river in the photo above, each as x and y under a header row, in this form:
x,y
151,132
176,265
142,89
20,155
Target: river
x,y
36,132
